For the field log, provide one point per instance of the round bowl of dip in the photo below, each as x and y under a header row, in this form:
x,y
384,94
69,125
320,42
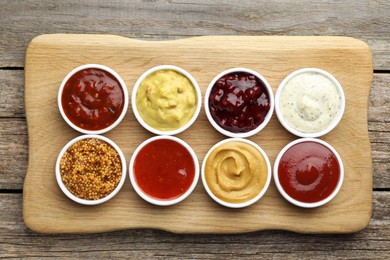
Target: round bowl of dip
x,y
164,170
239,102
166,100
90,169
309,102
236,172
308,172
93,99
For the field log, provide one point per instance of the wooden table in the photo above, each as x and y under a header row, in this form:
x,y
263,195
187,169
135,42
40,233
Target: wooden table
x,y
20,21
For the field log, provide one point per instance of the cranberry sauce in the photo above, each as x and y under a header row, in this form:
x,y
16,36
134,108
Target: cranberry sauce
x,y
239,102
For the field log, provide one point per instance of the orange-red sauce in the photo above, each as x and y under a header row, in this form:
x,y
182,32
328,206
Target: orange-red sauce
x,y
164,169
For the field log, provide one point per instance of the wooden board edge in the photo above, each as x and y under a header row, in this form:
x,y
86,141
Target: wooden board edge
x,y
28,220
366,48
346,41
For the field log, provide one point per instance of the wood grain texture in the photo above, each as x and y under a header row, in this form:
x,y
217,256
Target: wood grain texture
x,y
16,240
14,139
379,128
21,21
12,93
53,56
13,152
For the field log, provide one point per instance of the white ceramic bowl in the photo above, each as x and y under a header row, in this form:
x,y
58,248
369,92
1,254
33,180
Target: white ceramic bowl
x,y
335,120
125,93
246,203
84,201
297,202
155,201
134,99
242,134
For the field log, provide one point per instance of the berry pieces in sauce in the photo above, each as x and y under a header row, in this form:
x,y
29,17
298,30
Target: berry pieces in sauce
x,y
239,102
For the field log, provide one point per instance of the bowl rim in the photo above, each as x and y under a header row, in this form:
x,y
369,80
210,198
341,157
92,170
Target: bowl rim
x,y
246,203
259,127
185,74
122,85
74,197
297,202
335,120
147,197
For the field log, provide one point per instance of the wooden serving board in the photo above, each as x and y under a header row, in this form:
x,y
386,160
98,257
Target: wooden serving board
x,y
50,57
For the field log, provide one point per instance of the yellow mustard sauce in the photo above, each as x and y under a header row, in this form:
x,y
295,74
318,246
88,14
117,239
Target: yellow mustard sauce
x,y
166,100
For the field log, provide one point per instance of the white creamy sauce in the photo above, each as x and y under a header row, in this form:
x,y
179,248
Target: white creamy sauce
x,y
309,102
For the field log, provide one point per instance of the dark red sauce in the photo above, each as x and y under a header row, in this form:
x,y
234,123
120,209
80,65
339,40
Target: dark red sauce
x,y
92,99
164,169
239,102
309,172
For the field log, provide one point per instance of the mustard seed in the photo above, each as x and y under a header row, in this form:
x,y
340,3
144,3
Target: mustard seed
x,y
91,169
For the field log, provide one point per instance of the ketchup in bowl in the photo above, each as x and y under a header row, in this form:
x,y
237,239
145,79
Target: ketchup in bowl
x,y
308,172
93,98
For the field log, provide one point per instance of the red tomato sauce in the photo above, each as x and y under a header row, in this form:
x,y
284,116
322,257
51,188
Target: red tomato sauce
x,y
309,172
164,169
92,99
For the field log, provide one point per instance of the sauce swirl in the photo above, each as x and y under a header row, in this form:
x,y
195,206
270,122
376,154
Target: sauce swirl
x,y
309,172
235,172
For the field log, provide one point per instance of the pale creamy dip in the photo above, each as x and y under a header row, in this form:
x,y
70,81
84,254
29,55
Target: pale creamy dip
x,y
309,102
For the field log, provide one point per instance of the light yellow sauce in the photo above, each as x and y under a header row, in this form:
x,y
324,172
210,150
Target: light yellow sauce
x,y
309,102
166,100
235,172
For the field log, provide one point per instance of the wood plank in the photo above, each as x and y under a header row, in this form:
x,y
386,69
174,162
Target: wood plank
x,y
13,152
21,21
16,240
12,93
14,146
378,108
379,129
56,55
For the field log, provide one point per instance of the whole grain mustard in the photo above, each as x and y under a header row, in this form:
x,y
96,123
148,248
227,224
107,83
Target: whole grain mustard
x,y
91,169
